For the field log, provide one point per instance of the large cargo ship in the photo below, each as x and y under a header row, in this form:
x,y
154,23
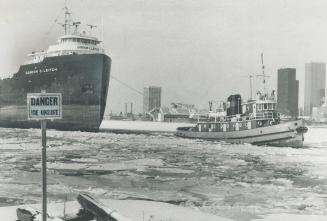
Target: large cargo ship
x,y
76,66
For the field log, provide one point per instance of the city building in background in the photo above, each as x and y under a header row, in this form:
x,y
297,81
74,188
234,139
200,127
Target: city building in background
x,y
319,114
314,88
287,92
178,112
151,98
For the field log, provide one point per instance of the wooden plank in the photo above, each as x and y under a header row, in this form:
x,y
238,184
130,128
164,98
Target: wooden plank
x,y
100,211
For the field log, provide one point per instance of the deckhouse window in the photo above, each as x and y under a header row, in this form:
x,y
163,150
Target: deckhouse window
x,y
265,106
270,106
259,107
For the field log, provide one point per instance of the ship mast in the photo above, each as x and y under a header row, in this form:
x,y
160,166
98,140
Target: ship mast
x,y
67,22
67,19
263,75
250,77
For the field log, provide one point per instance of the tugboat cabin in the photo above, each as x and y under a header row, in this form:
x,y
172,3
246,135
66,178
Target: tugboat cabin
x,y
243,116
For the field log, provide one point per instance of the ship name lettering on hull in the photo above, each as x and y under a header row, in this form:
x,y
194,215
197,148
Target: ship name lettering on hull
x,y
44,70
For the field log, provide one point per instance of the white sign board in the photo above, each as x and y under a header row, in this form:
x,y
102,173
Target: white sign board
x,y
44,106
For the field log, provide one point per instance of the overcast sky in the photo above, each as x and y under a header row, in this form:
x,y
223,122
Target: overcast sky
x,y
195,50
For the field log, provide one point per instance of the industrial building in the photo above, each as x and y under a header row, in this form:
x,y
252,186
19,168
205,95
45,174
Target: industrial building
x,y
151,98
287,92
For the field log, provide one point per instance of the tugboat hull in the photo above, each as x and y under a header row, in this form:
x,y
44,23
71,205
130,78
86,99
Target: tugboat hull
x,y
288,134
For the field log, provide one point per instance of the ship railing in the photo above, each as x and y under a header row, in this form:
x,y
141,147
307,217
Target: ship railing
x,y
264,115
239,118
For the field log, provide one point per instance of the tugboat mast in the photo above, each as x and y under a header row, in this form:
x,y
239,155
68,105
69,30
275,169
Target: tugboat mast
x,y
250,77
263,75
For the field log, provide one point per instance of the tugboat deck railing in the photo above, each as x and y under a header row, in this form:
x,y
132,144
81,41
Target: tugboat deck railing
x,y
266,115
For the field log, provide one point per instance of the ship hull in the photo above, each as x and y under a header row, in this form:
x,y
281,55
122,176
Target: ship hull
x,y
289,134
81,79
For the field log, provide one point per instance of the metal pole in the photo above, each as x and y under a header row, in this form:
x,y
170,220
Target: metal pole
x,y
44,170
238,105
251,87
132,108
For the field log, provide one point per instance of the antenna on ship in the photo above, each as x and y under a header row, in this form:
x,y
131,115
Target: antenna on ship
x,y
250,77
66,23
263,75
76,24
91,27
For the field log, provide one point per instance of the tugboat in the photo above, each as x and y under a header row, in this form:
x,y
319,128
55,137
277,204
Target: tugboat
x,y
255,121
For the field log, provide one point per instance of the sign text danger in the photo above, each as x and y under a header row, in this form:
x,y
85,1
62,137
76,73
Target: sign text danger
x,y
44,101
44,106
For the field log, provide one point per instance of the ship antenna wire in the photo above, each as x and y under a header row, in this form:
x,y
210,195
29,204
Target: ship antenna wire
x,y
46,35
250,76
126,85
263,72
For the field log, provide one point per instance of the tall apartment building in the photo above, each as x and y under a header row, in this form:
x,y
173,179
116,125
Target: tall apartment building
x,y
287,92
314,89
151,98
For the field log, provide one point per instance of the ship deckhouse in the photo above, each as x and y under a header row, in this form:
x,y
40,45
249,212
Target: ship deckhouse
x,y
75,44
68,45
264,107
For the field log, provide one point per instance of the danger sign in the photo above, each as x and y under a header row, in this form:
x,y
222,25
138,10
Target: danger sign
x,y
44,106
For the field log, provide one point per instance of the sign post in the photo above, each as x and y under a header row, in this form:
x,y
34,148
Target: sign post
x,y
44,169
43,106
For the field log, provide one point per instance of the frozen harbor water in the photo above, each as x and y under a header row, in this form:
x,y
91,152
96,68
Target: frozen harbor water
x,y
242,182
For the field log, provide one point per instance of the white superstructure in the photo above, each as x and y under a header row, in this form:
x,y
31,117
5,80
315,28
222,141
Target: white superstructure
x,y
69,44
